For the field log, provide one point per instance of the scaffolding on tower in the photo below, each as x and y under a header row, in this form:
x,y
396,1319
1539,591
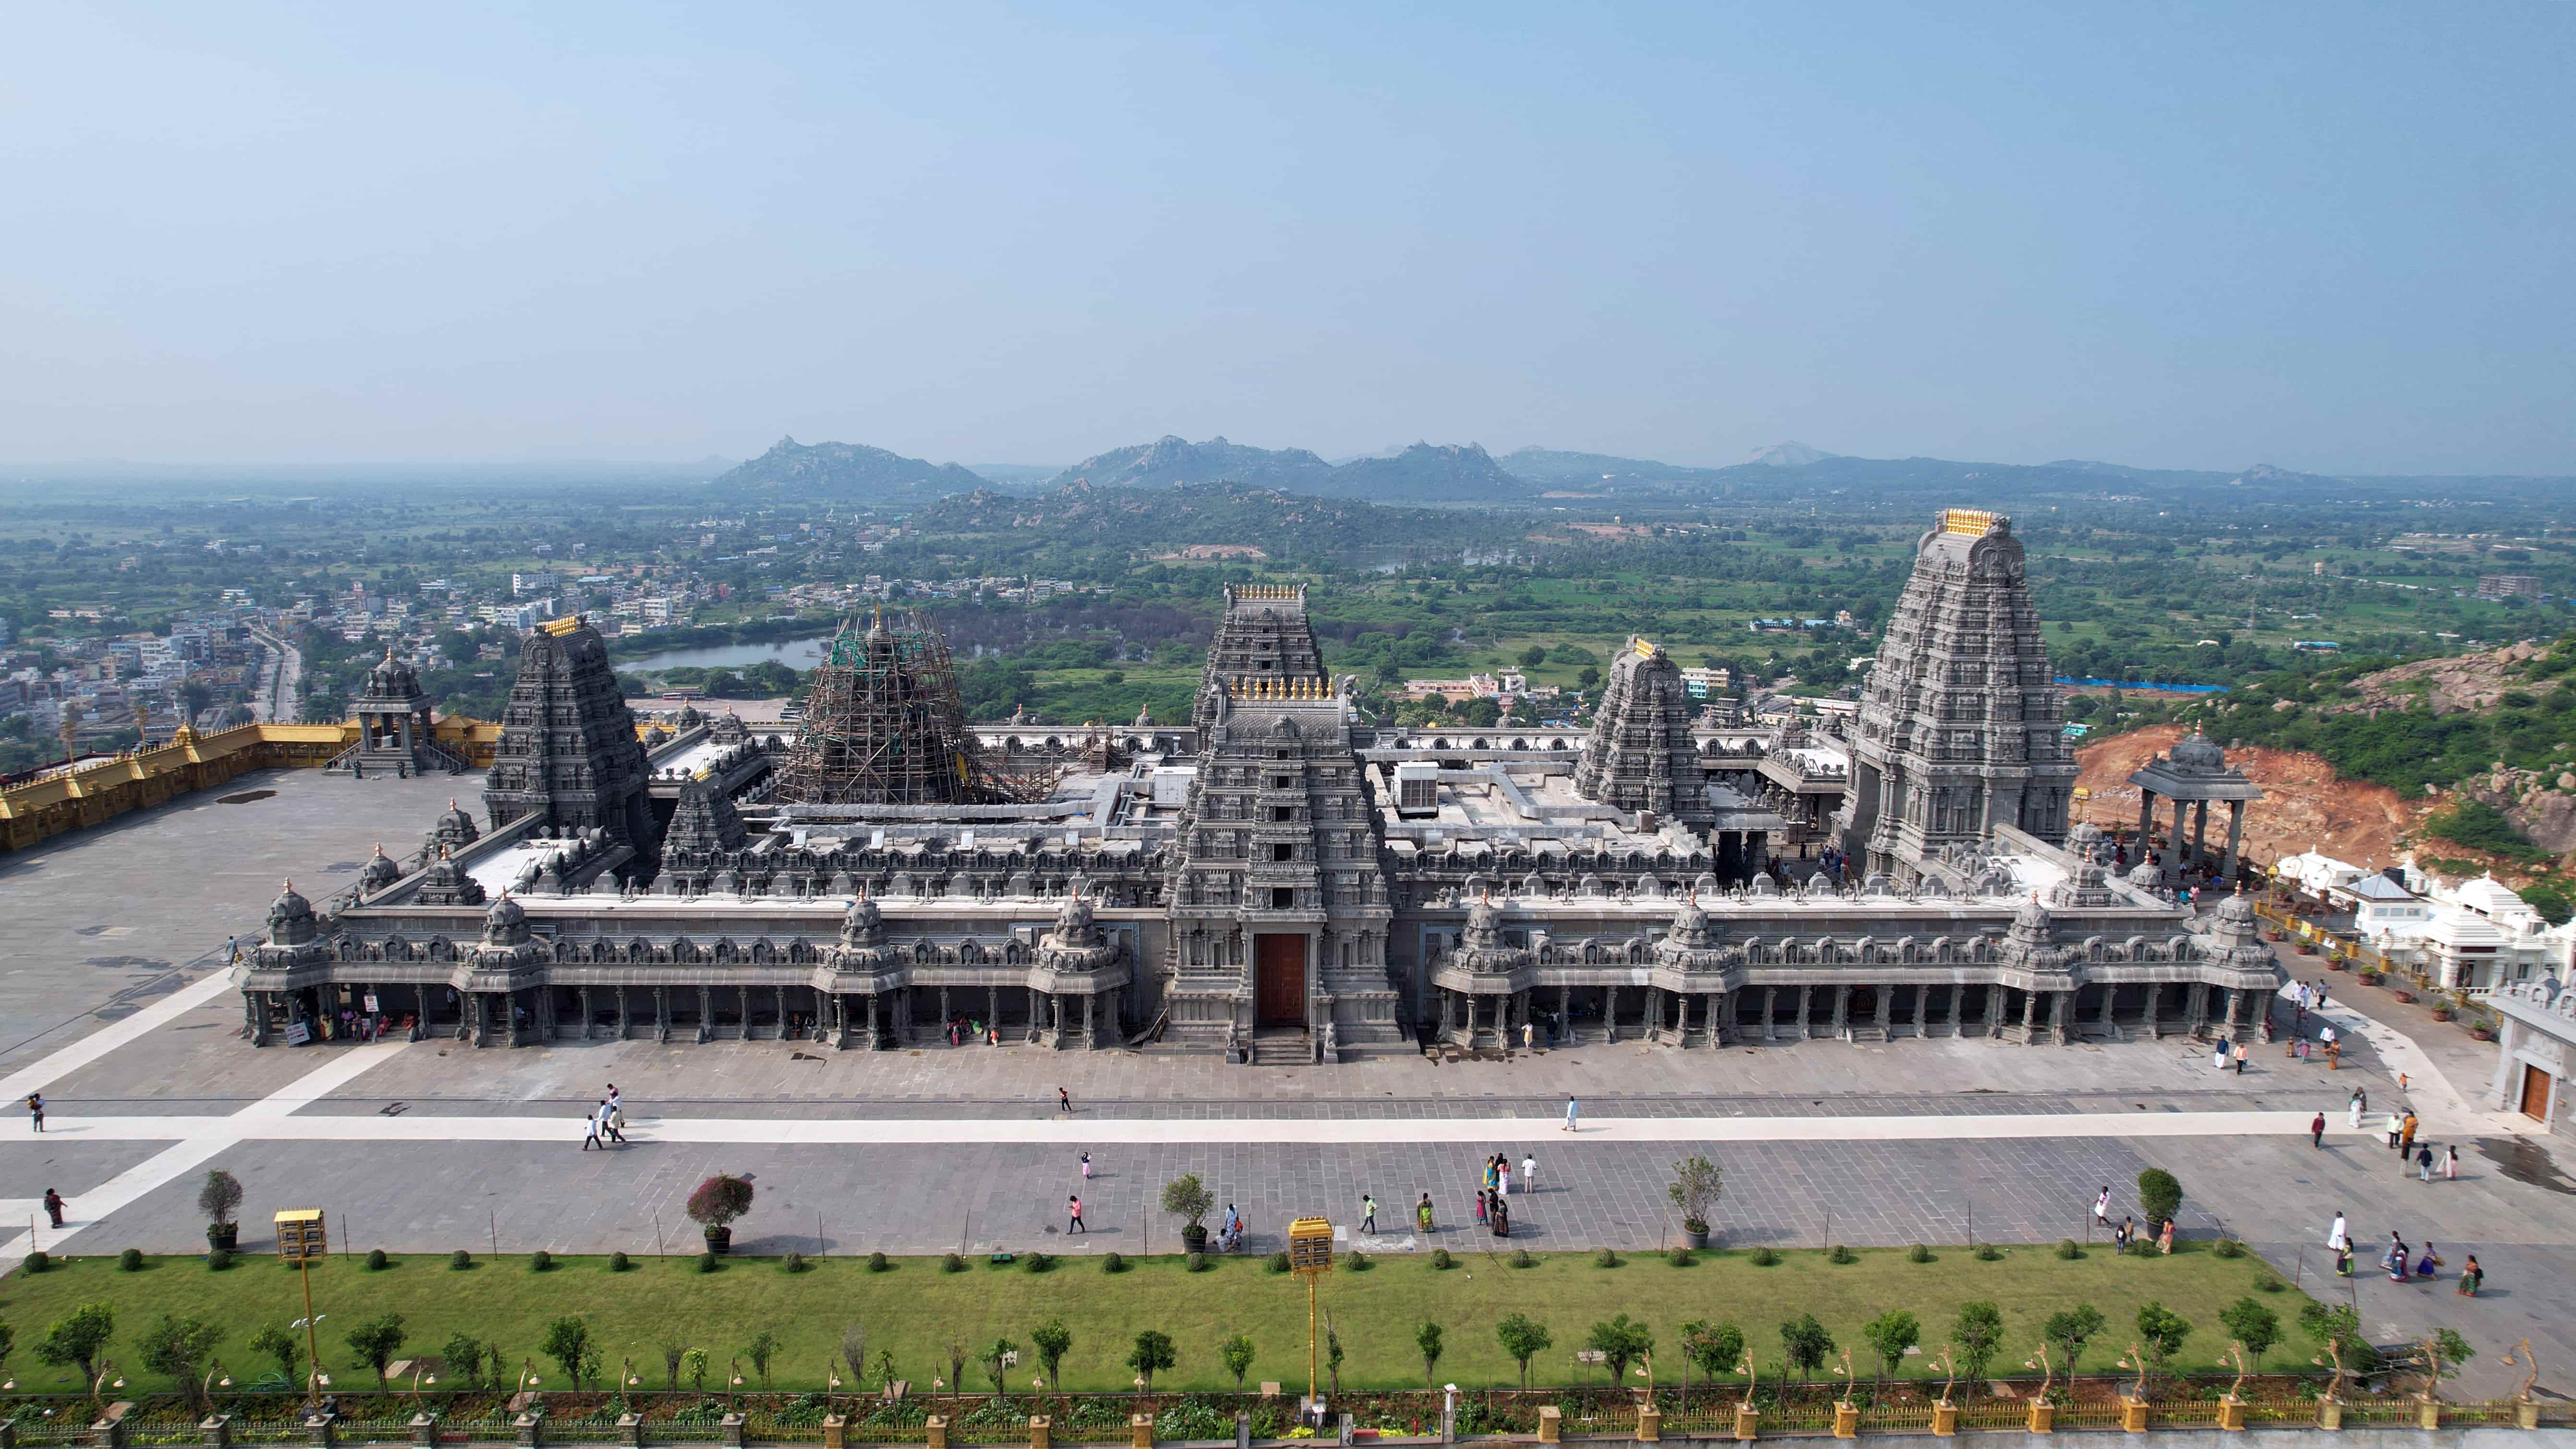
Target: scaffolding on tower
x,y
885,724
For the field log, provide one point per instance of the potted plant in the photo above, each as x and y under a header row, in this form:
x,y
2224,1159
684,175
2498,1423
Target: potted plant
x,y
714,1206
219,1199
1188,1199
2404,996
1694,1190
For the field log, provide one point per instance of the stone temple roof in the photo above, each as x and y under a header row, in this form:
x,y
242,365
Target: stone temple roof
x,y
2196,770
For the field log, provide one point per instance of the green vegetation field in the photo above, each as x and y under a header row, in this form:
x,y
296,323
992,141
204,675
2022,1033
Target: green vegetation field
x,y
915,1309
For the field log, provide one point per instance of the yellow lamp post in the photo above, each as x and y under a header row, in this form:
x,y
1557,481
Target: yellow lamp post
x,y
1310,1256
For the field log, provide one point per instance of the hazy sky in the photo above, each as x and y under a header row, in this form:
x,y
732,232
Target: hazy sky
x,y
2333,237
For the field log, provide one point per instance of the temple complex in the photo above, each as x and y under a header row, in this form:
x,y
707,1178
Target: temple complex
x,y
1281,880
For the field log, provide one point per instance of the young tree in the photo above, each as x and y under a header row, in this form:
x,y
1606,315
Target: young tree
x,y
2252,1325
1052,1340
220,1197
179,1348
2159,1194
998,1357
2438,1356
1694,1190
1621,1343
2340,1329
2160,1333
75,1341
696,1365
672,1354
1236,1354
854,1352
1152,1354
718,1201
762,1348
567,1340
1333,1355
1187,1198
276,1343
1427,1339
1804,1344
1890,1334
8,1341
1524,1339
1978,1336
463,1355
1712,1348
2068,1330
376,1342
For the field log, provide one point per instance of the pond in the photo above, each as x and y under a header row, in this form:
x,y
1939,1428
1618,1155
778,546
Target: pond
x,y
794,653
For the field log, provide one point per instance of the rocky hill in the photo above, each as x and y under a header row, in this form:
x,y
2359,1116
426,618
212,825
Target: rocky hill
x,y
864,474
2305,805
2455,685
1425,473
1170,460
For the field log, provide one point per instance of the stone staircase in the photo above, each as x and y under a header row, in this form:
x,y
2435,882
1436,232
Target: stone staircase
x,y
1282,1047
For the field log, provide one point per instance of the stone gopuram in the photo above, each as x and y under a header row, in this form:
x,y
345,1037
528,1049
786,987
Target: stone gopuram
x,y
1961,728
569,753
1286,882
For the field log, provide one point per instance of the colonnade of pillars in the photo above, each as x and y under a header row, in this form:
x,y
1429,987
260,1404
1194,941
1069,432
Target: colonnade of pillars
x,y
2189,849
1859,1010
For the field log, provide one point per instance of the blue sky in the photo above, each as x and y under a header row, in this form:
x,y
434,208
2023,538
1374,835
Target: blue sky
x,y
2331,237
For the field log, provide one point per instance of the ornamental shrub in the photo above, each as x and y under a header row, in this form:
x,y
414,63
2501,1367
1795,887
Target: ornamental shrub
x,y
1359,1262
130,1261
541,1261
377,1262
1112,1263
1521,1258
460,1260
1278,1262
1605,1259
1679,1256
218,1260
1440,1258
952,1263
879,1262
2067,1249
2228,1248
1195,1262
1988,1253
708,1262
1841,1253
1764,1258
37,1262
1038,1262
794,1262
618,1262
1918,1254
719,1200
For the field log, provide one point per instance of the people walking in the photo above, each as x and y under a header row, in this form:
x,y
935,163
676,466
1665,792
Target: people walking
x,y
1569,1116
2395,1125
2451,1163
1063,1100
2218,1056
1480,1204
1529,1172
2471,1275
1368,1214
2317,1131
590,1130
1086,1167
2406,1136
2240,1059
36,1110
2336,1237
2355,1106
2424,1163
1073,1214
2102,1208
1422,1213
1502,1175
54,1206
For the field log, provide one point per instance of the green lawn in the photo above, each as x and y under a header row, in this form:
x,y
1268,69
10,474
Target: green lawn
x,y
915,1309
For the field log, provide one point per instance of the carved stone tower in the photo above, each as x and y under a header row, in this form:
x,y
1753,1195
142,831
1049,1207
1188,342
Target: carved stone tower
x,y
568,748
1278,898
1640,755
1960,725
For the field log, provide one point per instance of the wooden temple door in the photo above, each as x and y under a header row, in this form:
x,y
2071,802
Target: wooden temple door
x,y
1279,979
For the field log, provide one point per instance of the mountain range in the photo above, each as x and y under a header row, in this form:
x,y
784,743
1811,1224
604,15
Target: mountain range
x,y
1464,473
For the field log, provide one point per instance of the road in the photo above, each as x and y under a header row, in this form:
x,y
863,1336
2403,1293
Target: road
x,y
282,700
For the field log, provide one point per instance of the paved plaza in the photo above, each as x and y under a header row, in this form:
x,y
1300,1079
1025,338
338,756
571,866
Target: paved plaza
x,y
432,1146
